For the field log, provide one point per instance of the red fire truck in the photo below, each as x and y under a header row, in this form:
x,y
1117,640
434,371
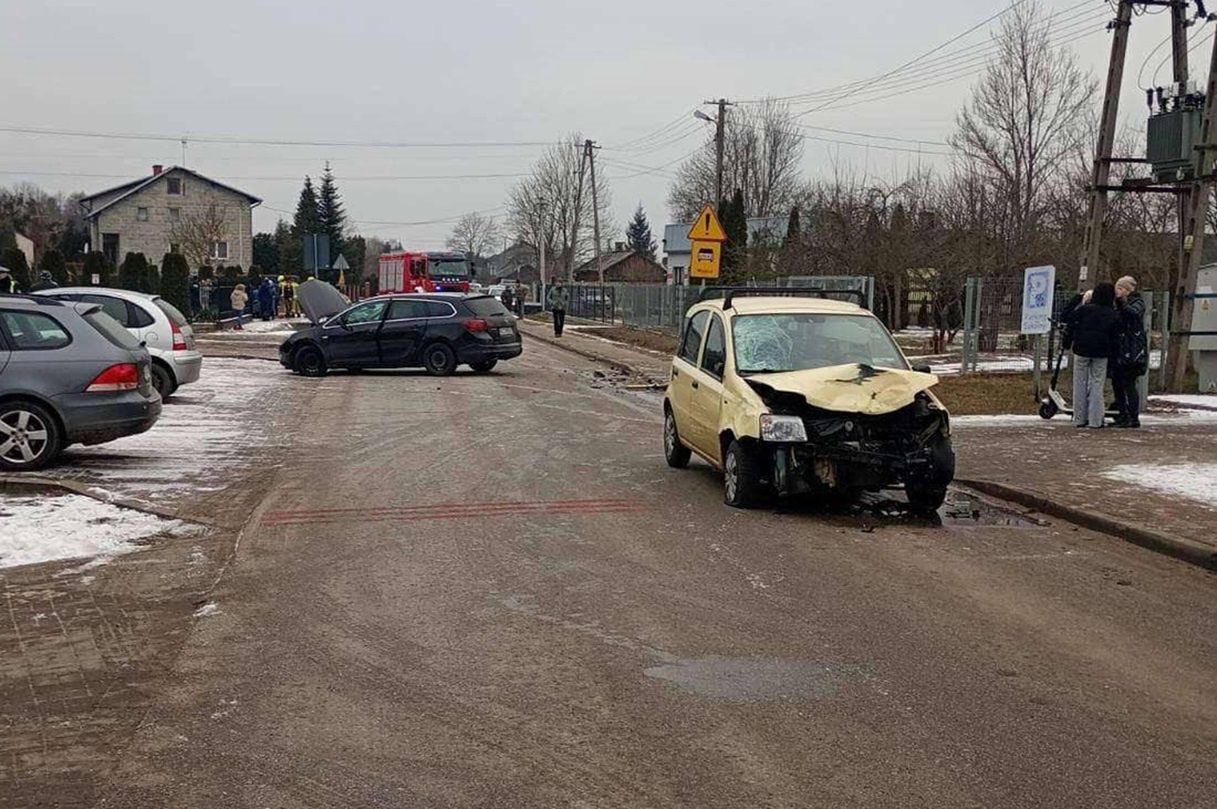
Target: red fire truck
x,y
424,272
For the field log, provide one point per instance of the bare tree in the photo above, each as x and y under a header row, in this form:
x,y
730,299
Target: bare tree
x,y
475,234
197,231
762,150
548,208
1025,117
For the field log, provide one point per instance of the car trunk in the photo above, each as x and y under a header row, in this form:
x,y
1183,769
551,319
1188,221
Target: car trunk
x,y
502,324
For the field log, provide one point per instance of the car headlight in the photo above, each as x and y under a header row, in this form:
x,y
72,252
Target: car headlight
x,y
782,428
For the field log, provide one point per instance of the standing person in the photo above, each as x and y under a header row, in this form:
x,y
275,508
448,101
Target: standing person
x,y
1095,324
1131,360
266,298
7,285
289,295
239,299
558,299
508,298
521,296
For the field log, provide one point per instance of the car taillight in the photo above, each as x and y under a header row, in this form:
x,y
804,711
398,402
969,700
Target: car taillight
x,y
124,376
179,339
477,324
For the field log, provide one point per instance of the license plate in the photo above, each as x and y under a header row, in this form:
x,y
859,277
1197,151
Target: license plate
x,y
504,331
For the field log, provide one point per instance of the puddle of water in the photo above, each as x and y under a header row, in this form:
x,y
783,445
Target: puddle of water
x,y
746,680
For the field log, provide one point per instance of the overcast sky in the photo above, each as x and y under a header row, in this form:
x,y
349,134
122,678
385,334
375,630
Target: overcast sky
x,y
449,72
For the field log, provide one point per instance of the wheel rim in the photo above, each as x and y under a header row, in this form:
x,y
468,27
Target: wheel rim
x,y
439,359
23,436
309,360
669,434
731,475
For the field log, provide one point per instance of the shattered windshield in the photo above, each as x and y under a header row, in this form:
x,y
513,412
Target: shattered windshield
x,y
449,268
800,342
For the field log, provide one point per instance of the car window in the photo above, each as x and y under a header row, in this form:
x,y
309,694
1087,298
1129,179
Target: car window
x,y
407,310
367,313
172,312
138,316
114,307
111,329
694,328
439,309
714,358
486,307
33,331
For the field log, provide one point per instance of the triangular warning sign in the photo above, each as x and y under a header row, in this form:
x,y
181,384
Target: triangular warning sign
x,y
707,228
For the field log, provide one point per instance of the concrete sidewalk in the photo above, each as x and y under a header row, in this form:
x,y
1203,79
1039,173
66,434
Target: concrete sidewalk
x,y
1153,486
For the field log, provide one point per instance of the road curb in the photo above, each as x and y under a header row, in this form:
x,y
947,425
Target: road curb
x,y
1186,550
582,352
94,493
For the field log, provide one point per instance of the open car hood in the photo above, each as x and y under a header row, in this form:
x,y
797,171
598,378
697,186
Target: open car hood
x,y
321,301
849,388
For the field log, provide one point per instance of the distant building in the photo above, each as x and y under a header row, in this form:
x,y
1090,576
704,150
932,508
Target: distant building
x,y
622,265
141,216
677,250
516,263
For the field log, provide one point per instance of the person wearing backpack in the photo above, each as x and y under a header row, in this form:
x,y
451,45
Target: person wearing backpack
x,y
1131,360
1095,325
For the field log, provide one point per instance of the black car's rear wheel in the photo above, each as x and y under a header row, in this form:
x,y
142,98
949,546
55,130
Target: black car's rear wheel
x,y
439,359
675,453
29,436
309,361
483,367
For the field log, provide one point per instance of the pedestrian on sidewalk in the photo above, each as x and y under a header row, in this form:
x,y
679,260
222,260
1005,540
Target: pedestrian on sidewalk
x,y
1094,327
239,299
508,298
266,298
1131,360
45,281
558,299
521,295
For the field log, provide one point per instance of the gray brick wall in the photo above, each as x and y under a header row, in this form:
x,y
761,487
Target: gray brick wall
x,y
152,237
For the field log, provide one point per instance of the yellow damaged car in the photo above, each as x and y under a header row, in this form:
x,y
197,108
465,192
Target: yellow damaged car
x,y
803,396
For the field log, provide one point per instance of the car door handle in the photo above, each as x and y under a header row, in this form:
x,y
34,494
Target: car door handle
x,y
695,385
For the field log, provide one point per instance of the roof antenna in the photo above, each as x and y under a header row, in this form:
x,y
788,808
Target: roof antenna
x,y
183,153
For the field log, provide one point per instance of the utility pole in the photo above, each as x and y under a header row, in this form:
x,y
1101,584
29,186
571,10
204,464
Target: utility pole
x,y
590,148
1101,175
720,124
574,236
541,247
1194,232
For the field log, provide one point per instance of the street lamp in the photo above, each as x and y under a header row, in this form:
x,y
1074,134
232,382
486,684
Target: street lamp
x,y
701,116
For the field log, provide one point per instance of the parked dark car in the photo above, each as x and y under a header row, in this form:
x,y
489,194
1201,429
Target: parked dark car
x,y
436,331
69,374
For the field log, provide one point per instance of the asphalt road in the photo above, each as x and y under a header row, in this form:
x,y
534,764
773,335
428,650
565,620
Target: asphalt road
x,y
491,592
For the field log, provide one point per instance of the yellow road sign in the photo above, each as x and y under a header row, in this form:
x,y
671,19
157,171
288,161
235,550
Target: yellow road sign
x,y
706,260
707,228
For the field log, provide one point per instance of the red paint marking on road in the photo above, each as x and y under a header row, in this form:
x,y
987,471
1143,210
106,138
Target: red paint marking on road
x,y
449,511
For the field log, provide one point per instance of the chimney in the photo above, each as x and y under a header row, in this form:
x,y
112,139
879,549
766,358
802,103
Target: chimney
x,y
157,169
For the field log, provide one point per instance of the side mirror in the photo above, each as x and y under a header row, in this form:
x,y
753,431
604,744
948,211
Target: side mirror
x,y
923,368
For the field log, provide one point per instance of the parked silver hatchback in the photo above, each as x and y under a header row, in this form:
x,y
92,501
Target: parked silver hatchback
x,y
69,374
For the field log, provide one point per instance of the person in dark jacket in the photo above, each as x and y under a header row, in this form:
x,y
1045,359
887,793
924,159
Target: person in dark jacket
x,y
45,281
1131,359
266,299
7,285
1095,325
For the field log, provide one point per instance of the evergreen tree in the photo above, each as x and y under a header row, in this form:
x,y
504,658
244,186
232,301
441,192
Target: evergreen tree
x,y
52,262
735,250
133,272
330,214
97,264
175,281
14,259
793,230
266,253
289,249
307,220
638,234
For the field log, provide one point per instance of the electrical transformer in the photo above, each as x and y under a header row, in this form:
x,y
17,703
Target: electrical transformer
x,y
1171,144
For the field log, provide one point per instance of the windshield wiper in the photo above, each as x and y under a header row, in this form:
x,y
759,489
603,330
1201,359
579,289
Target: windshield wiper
x,y
752,371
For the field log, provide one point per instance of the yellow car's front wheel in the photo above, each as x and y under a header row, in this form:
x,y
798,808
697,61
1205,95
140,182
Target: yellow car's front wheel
x,y
743,483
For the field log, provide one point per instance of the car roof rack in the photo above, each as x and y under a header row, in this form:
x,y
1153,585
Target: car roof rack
x,y
729,294
41,300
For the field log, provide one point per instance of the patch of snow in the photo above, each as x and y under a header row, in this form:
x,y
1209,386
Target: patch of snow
x,y
210,608
1195,481
1200,400
46,528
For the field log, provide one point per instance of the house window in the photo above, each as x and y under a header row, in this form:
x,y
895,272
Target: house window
x,y
176,186
219,250
175,214
141,214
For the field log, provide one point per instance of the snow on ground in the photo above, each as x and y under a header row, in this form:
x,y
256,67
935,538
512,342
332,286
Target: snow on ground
x,y
1200,400
257,330
1195,481
1003,363
207,431
1180,419
46,527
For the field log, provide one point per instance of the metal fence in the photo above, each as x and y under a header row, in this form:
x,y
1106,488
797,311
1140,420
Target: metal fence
x,y
662,307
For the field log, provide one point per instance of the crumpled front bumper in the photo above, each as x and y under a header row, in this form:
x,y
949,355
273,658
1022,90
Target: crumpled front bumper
x,y
805,467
